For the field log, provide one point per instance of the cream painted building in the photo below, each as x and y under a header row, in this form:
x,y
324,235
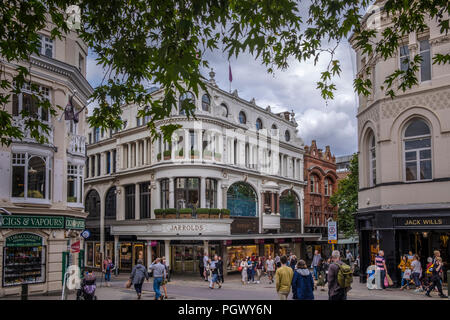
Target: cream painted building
x,y
404,148
42,184
158,199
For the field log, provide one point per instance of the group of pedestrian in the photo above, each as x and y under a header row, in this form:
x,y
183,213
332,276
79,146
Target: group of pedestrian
x,y
212,270
411,273
298,278
160,272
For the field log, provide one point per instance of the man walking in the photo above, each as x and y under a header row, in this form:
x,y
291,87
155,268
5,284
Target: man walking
x,y
159,273
270,267
214,272
335,292
317,257
380,262
283,278
219,267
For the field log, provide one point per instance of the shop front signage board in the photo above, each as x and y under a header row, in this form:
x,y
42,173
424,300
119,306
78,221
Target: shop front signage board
x,y
41,222
24,240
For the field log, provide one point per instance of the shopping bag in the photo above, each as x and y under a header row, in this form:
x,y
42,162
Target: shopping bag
x,y
391,283
386,283
240,269
128,284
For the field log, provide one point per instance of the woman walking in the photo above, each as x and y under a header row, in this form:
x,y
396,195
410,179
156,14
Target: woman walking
x,y
404,265
416,272
302,283
138,275
259,269
243,267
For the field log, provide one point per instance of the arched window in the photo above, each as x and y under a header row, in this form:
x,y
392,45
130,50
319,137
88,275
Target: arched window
x,y
185,98
259,124
289,204
110,203
223,110
417,151
92,204
313,184
328,187
36,177
206,103
242,117
372,160
242,200
287,135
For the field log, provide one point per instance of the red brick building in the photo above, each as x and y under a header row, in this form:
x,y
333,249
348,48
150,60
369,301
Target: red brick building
x,y
320,173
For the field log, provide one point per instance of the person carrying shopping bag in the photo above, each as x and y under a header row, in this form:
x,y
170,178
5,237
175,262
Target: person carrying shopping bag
x,y
137,277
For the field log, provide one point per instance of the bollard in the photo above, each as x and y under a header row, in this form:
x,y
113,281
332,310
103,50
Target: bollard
x,y
24,291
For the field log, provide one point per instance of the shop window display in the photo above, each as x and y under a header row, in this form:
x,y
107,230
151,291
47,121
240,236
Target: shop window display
x,y
125,256
24,260
237,253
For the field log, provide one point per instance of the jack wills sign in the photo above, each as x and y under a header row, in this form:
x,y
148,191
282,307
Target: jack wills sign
x,y
422,222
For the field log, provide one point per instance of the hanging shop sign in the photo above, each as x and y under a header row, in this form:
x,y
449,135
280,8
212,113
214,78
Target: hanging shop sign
x,y
153,243
86,234
42,222
24,240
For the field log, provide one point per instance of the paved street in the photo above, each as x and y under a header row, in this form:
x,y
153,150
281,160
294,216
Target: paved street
x,y
192,288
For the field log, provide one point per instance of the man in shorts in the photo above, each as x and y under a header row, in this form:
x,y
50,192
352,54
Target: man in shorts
x,y
270,267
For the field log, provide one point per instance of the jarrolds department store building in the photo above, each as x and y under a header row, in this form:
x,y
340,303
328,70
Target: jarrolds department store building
x,y
404,167
230,183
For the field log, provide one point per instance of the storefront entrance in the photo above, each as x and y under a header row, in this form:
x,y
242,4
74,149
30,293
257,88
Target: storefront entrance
x,y
186,258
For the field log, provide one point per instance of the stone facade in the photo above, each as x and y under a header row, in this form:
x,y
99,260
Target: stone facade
x,y
36,177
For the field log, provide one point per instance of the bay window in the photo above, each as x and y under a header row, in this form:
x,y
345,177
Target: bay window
x,y
31,176
74,183
417,151
27,101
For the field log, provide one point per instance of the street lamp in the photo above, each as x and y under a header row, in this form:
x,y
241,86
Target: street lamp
x,y
4,211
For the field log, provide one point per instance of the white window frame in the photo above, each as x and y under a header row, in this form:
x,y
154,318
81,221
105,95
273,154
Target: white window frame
x,y
46,40
405,139
372,168
77,172
45,91
400,56
431,62
48,175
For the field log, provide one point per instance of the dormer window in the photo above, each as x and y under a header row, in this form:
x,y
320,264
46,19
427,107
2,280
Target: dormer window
x,y
46,46
206,103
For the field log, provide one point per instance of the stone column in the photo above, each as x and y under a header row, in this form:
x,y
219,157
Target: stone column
x,y
200,144
171,192
102,227
219,194
202,193
137,203
116,253
136,153
167,251
278,202
225,259
157,197
272,202
149,253
205,247
145,141
121,203
129,155
187,150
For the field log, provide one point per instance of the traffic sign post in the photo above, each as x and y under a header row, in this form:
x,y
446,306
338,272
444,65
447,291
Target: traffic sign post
x,y
332,233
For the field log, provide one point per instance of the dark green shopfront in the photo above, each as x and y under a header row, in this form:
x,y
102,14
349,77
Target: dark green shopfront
x,y
35,250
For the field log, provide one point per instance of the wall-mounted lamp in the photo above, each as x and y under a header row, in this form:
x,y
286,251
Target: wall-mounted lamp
x,y
425,234
118,191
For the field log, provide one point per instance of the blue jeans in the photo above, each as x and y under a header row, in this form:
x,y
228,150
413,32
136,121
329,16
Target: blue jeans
x,y
108,276
416,276
382,276
404,281
138,288
315,272
156,285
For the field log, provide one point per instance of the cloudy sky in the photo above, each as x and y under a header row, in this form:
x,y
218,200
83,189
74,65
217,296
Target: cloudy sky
x,y
331,124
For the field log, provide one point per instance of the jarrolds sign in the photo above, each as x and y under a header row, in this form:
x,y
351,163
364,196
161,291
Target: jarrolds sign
x,y
422,222
191,228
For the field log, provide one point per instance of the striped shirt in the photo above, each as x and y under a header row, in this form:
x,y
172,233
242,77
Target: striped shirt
x,y
379,262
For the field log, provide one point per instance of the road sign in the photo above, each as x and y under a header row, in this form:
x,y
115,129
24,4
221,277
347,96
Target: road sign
x,y
332,231
75,247
86,234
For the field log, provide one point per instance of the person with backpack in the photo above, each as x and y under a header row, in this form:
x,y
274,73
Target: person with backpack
x,y
302,282
340,278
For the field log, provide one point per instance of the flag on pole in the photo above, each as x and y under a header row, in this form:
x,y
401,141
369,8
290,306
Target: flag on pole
x,y
230,75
